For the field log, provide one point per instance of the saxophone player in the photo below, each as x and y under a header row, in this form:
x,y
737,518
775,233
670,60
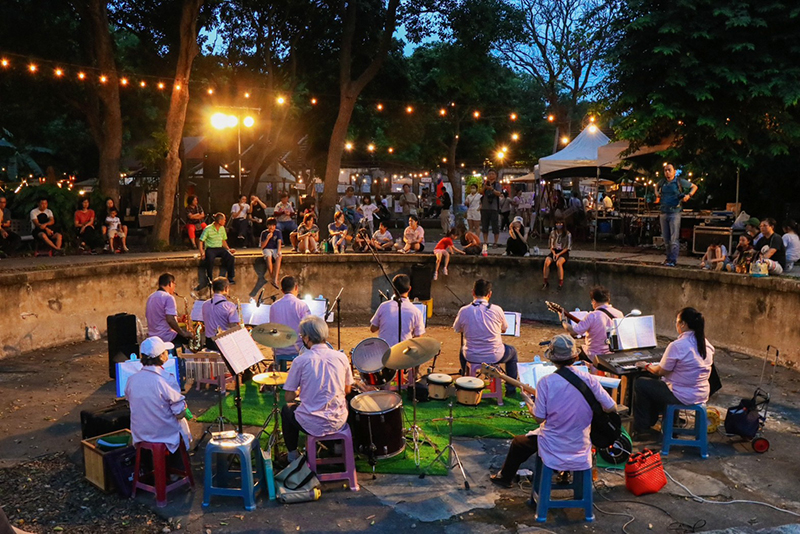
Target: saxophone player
x,y
219,312
161,312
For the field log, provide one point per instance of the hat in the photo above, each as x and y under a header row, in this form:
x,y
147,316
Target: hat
x,y
562,348
752,221
153,347
518,219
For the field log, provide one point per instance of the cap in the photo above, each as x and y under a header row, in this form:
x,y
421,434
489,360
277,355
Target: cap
x,y
153,346
752,221
518,219
562,348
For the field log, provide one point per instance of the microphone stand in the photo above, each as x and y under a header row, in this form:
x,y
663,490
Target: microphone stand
x,y
336,302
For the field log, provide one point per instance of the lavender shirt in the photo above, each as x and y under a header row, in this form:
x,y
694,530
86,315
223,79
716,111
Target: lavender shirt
x,y
564,443
385,318
154,404
594,326
482,326
218,312
159,305
289,310
321,374
687,372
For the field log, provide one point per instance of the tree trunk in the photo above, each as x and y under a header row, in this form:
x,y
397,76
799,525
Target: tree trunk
x,y
329,194
176,117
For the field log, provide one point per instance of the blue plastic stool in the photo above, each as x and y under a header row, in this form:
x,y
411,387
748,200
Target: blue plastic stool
x,y
543,483
700,430
242,447
283,361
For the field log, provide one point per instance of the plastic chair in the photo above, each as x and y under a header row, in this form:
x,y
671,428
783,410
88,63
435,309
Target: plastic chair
x,y
581,486
283,361
161,471
700,430
495,384
348,459
243,448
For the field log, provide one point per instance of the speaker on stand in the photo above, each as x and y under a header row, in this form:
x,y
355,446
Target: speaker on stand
x,y
122,340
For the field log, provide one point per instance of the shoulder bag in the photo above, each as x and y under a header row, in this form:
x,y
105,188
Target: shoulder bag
x,y
606,427
297,482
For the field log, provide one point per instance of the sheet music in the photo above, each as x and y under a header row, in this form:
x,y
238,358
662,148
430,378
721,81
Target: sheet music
x,y
580,315
255,315
531,372
197,311
239,349
636,332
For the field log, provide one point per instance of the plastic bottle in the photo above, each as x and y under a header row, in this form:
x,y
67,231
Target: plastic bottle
x,y
485,251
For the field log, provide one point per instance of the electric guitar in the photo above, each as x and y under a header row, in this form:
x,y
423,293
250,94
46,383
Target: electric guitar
x,y
493,372
559,309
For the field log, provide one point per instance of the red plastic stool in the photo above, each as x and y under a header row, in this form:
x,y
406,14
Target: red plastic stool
x,y
348,459
495,384
160,471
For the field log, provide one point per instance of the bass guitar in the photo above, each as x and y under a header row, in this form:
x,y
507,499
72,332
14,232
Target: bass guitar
x,y
559,309
493,372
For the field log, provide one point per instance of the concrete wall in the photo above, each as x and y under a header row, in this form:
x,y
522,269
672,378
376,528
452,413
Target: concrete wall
x,y
45,308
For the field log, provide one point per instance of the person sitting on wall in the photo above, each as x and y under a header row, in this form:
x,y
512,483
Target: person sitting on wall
x,y
560,245
114,230
308,235
771,247
469,240
742,256
517,243
444,248
213,245
195,218
413,237
715,256
382,239
240,221
43,223
338,230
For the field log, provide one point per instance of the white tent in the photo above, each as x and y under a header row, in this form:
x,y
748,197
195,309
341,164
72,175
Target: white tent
x,y
611,154
579,158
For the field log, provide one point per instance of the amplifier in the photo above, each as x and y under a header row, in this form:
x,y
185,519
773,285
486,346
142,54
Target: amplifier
x,y
705,235
421,278
105,420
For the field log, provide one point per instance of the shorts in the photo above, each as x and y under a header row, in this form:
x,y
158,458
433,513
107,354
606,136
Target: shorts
x,y
565,256
440,251
473,215
490,218
273,253
113,233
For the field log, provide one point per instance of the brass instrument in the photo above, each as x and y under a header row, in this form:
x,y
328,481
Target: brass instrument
x,y
197,340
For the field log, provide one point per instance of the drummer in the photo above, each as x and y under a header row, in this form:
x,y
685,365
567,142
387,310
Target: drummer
x,y
289,311
218,311
412,323
482,324
323,377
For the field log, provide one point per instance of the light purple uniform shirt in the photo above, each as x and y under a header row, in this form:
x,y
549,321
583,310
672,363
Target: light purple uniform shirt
x,y
159,305
289,310
154,404
385,319
321,374
594,326
564,442
687,372
482,326
218,312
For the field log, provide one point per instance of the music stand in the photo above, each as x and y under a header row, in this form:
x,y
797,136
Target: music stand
x,y
239,352
336,302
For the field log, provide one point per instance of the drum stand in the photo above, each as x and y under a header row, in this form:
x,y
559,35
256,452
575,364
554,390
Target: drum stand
x,y
452,453
273,417
220,422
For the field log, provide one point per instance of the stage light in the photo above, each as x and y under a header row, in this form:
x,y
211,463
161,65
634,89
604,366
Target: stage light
x,y
409,109
476,114
103,79
219,121
177,87
160,85
515,137
313,101
123,81
32,68
231,121
348,146
59,73
592,128
249,122
280,100
210,91
513,116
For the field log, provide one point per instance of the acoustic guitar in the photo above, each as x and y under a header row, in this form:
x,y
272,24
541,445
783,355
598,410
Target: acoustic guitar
x,y
559,309
493,372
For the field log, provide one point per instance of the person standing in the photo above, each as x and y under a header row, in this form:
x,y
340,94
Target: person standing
x,y
490,207
349,204
271,243
385,321
195,218
289,311
161,313
791,242
505,211
368,209
42,223
671,192
213,245
483,325
258,215
240,223
473,202
444,215
218,311
595,324
9,241
409,201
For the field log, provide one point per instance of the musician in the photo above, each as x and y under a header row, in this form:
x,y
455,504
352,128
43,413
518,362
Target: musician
x,y
324,378
682,374
214,244
385,320
161,312
594,325
158,410
482,324
565,418
289,311
218,311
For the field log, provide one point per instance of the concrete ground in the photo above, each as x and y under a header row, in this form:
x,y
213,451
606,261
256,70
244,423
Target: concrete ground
x,y
42,394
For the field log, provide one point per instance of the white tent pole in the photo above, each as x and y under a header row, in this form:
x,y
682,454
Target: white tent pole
x,y
596,198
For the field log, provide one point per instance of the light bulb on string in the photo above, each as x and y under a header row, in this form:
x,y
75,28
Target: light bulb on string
x,y
515,137
4,62
551,118
81,75
210,91
123,81
32,68
177,87
58,72
160,85
379,107
281,100
476,114
443,112
247,95
513,116
409,109
391,150
142,84
313,101
103,78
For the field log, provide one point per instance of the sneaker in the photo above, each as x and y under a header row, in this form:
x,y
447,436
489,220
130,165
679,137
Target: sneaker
x,y
498,480
669,264
126,249
445,271
436,275
527,254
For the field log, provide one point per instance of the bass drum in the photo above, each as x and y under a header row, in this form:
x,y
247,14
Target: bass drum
x,y
368,359
377,419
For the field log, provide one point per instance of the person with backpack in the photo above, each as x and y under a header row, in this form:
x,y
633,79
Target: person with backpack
x,y
671,192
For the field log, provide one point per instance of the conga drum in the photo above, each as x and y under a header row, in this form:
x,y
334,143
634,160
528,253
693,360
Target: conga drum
x,y
437,385
469,390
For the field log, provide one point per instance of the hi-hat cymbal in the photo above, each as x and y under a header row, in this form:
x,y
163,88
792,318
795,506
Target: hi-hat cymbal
x,y
270,379
411,353
274,335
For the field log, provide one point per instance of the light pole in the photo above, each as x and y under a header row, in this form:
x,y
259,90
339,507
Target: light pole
x,y
221,121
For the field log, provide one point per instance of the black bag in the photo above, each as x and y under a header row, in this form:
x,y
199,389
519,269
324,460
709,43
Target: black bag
x,y
743,419
714,381
606,427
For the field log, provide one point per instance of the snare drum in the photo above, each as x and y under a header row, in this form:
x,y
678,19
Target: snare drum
x,y
368,359
437,385
469,390
378,420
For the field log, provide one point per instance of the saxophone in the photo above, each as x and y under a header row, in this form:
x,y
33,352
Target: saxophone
x,y
197,340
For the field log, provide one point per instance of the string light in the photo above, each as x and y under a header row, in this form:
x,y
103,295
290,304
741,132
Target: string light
x,y
177,87
591,119
103,79
123,81
513,116
249,122
210,91
142,84
4,62
371,147
409,109
160,85
442,112
391,150
592,128
280,100
564,140
348,146
313,101
59,73
515,137
81,75
476,114
379,107
551,118
32,68
247,95
444,160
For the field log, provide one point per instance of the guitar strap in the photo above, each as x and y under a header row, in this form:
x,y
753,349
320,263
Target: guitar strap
x,y
581,386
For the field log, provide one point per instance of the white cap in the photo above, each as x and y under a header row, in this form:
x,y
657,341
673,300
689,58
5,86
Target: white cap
x,y
153,347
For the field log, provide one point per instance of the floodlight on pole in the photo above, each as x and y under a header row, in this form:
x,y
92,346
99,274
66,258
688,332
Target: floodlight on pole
x,y
249,122
219,121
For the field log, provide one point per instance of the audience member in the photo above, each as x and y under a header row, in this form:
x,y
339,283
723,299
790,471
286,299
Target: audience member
x,y
444,248
271,242
775,253
240,224
413,236
213,245
791,242
285,215
258,216
751,227
368,209
9,241
85,227
444,214
308,235
517,243
382,239
490,207
469,240
742,257
43,224
337,230
195,218
473,203
505,211
114,230
409,201
109,206
560,245
715,256
349,204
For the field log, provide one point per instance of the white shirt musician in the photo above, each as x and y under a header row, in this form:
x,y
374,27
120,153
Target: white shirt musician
x,y
385,322
289,311
218,312
595,324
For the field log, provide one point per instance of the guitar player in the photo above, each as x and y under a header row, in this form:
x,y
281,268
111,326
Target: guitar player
x,y
594,325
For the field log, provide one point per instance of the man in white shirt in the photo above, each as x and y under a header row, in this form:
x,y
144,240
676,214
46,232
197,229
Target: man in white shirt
x,y
565,418
218,311
595,324
239,221
482,324
385,320
161,313
158,410
42,222
290,311
323,377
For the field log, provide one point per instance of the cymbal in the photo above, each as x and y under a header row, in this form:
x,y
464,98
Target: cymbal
x,y
274,335
411,352
270,379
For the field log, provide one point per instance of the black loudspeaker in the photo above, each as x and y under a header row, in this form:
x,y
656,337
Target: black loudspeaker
x,y
122,341
421,278
211,165
105,420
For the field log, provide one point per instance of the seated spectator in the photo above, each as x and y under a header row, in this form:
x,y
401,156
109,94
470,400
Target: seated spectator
x,y
771,248
751,227
742,256
517,244
9,241
43,225
240,224
382,239
469,240
338,233
258,216
791,242
309,205
715,257
361,240
413,236
109,205
114,229
444,248
85,227
195,218
308,235
560,245
271,242
213,245
285,215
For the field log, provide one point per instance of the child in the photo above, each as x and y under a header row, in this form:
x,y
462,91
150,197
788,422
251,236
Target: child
x,y
271,243
368,210
741,259
714,258
338,232
445,247
114,229
382,239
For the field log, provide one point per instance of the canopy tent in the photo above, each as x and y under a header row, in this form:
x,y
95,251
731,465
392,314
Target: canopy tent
x,y
611,154
577,159
530,177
